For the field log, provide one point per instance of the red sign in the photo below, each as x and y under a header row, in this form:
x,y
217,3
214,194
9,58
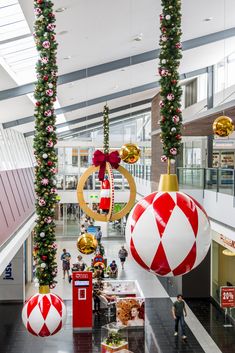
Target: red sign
x,y
82,300
227,297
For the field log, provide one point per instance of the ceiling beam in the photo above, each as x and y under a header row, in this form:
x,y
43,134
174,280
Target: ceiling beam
x,y
111,120
119,64
97,125
103,99
97,115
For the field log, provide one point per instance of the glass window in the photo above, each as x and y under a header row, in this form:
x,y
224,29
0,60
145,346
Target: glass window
x,y
71,182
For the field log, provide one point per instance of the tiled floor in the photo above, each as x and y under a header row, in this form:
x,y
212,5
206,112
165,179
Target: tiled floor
x,y
159,329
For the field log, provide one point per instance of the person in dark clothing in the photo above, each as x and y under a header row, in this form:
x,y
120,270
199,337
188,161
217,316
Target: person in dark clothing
x,y
179,311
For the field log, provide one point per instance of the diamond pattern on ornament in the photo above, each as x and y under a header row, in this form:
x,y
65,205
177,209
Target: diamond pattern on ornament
x,y
44,305
151,237
203,241
178,237
35,320
163,207
136,255
32,303
141,208
190,210
160,263
188,263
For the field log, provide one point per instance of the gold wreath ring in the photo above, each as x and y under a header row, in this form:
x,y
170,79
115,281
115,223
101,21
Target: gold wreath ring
x,y
110,216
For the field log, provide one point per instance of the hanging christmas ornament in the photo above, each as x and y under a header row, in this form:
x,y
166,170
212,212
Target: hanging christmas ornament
x,y
104,163
168,232
44,313
87,243
223,126
130,153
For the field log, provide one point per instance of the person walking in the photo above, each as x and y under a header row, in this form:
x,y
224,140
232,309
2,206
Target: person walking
x,y
122,254
179,311
98,234
65,258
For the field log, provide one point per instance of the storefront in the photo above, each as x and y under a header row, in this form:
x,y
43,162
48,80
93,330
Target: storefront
x,y
223,265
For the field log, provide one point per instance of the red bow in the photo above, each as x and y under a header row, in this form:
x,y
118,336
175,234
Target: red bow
x,y
100,159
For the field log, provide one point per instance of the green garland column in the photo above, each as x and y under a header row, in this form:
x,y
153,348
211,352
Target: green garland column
x,y
44,142
170,55
106,128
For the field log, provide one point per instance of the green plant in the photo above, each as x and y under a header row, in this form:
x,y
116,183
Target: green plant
x,y
169,61
114,339
44,142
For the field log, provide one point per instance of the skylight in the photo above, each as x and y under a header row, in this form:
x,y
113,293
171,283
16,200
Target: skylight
x,y
12,20
19,59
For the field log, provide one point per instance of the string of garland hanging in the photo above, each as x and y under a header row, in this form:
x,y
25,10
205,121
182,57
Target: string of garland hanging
x,y
106,128
44,142
169,61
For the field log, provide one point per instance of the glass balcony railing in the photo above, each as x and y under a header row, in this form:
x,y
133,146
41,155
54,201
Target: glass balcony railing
x,y
216,179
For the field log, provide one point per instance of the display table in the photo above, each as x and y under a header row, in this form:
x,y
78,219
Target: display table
x,y
122,288
114,338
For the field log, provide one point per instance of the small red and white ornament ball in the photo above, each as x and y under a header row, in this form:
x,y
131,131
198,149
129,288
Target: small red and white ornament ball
x,y
168,233
44,314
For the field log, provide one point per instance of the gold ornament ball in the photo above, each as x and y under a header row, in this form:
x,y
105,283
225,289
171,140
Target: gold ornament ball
x,y
223,126
130,153
87,243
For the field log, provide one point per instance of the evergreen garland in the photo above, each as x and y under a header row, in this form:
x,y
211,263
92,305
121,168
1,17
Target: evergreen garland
x,y
44,142
106,128
170,55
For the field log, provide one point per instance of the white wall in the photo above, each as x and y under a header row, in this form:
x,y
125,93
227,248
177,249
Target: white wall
x,y
12,280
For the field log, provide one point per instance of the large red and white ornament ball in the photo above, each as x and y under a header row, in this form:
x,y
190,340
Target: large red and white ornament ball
x,y
168,233
44,314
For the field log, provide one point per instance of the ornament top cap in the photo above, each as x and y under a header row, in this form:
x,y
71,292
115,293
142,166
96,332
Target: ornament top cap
x,y
168,183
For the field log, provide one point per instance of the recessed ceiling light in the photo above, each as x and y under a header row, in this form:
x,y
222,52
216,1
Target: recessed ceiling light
x,y
62,33
139,37
61,9
68,57
208,19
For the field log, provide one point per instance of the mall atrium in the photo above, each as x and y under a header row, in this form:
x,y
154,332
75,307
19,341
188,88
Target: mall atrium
x,y
117,178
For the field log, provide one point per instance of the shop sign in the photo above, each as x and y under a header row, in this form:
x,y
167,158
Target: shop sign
x,y
227,297
8,272
227,241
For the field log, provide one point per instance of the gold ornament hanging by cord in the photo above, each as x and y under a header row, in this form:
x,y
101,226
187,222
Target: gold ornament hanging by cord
x,y
223,126
87,243
130,153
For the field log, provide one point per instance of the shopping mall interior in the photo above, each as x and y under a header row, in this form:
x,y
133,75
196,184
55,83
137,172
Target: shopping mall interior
x,y
117,176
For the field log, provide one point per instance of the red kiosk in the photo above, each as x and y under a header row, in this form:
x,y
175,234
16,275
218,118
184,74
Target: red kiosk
x,y
82,301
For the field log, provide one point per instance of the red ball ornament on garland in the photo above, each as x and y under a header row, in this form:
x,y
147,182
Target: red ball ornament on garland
x,y
44,315
50,163
168,233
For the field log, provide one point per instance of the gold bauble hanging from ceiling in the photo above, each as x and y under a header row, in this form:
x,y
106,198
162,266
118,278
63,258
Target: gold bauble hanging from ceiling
x,y
223,126
130,153
87,244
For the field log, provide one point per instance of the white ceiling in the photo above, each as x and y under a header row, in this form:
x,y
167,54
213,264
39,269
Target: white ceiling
x,y
103,31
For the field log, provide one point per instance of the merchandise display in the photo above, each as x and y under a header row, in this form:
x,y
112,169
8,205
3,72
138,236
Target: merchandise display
x,y
114,338
121,288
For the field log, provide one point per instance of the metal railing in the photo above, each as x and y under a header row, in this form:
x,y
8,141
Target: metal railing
x,y
216,179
